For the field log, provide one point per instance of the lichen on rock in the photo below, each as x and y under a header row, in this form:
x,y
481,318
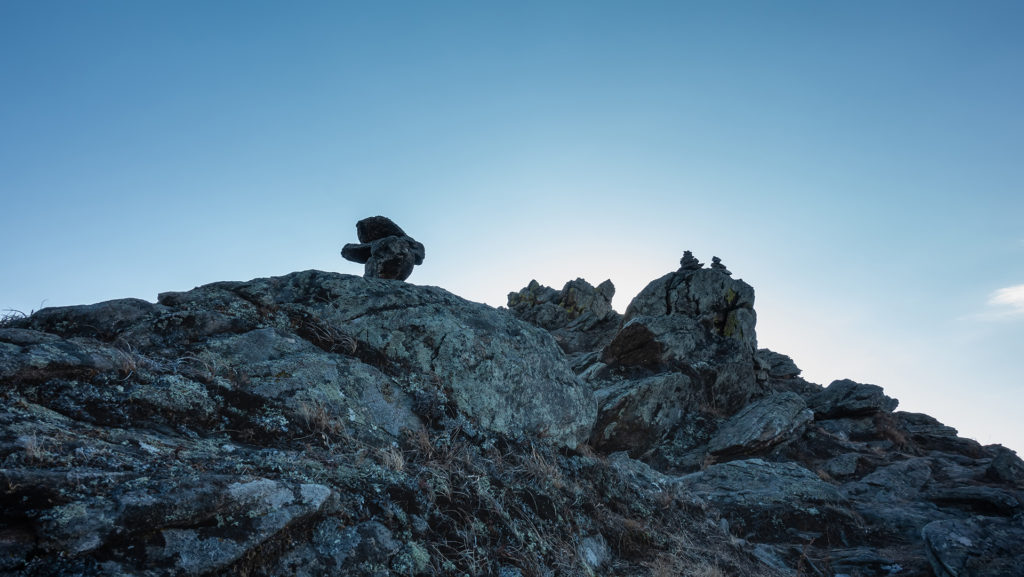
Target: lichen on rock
x,y
327,424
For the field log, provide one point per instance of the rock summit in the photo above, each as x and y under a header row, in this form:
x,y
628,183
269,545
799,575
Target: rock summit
x,y
327,424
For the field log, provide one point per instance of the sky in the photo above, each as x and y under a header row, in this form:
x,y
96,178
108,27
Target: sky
x,y
860,164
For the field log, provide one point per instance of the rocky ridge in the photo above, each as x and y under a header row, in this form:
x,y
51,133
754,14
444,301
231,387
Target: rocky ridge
x,y
327,424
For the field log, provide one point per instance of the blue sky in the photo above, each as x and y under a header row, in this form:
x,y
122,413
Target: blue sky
x,y
859,163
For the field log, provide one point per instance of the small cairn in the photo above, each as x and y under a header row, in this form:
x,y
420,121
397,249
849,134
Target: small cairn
x,y
384,248
716,264
690,262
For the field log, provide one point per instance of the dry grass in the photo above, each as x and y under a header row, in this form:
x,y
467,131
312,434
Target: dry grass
x,y
317,418
326,336
36,448
890,430
11,318
392,458
543,469
686,559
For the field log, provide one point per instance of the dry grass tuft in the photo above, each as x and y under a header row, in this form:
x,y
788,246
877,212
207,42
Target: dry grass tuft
x,y
318,418
392,458
11,318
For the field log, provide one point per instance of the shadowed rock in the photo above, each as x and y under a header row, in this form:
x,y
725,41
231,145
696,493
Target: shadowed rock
x,y
327,424
384,248
698,321
580,316
975,547
761,425
846,398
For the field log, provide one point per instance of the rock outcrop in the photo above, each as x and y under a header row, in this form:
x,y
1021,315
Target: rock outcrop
x,y
580,316
327,424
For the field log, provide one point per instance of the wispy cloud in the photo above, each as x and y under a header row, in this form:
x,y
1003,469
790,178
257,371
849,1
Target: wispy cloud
x,y
1007,302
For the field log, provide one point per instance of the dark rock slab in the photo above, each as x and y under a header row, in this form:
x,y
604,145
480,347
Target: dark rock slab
x,y
103,320
929,434
902,481
761,425
846,398
770,502
777,372
636,415
891,501
1006,466
975,547
978,499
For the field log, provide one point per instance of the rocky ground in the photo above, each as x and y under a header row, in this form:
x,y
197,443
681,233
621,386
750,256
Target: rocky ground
x,y
326,424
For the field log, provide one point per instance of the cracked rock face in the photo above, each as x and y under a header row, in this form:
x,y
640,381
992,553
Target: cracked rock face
x,y
762,424
507,375
683,357
327,424
699,321
580,316
975,547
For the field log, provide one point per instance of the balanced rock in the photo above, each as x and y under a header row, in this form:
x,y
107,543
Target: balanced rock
x,y
384,248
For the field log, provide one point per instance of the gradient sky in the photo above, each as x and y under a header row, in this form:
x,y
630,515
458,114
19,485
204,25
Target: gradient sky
x,y
861,164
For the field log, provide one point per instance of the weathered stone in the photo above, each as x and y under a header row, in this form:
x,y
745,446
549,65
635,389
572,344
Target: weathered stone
x,y
103,321
899,481
978,499
929,434
860,561
254,510
777,365
376,228
269,507
579,316
65,357
638,475
761,425
633,416
846,398
761,500
507,375
890,500
385,249
594,552
841,466
325,424
975,547
777,372
1006,466
697,321
851,429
